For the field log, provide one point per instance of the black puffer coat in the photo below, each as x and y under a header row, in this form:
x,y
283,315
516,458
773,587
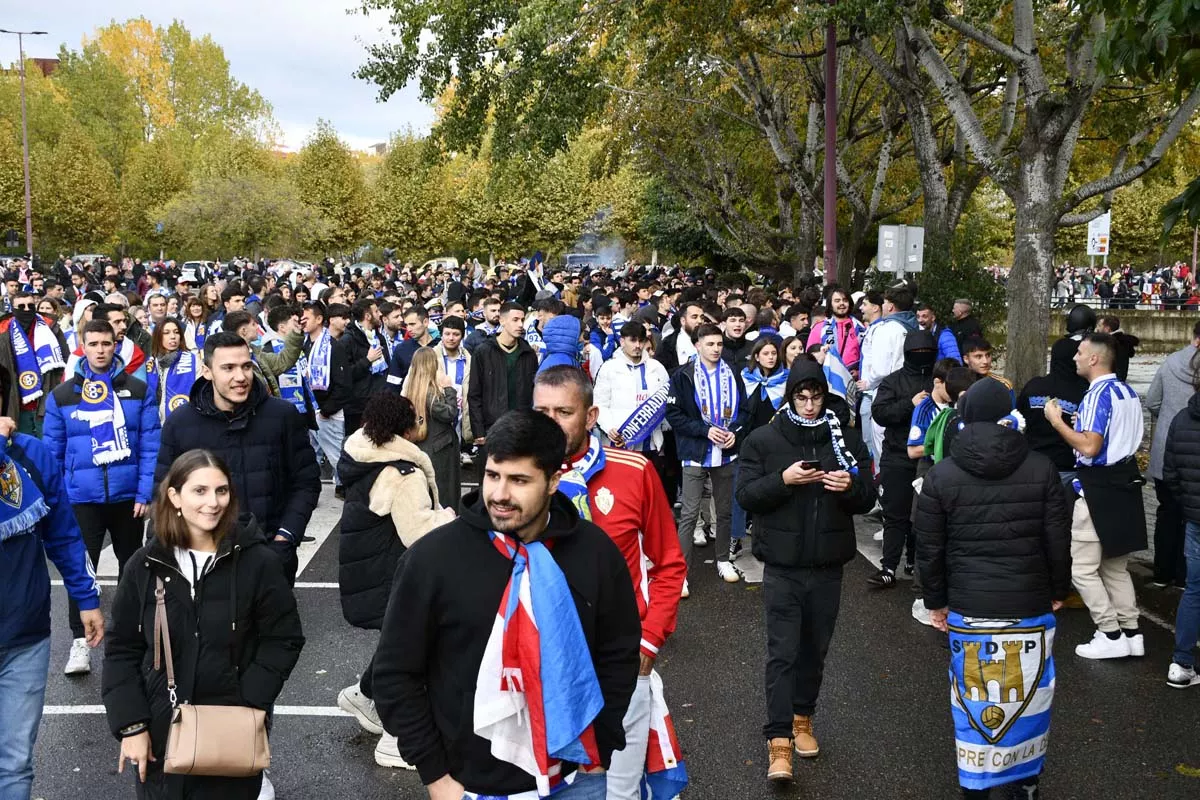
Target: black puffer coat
x,y
214,664
801,526
1181,460
893,406
265,444
993,528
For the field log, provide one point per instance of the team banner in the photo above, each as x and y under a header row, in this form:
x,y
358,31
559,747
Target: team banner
x,y
1002,679
644,420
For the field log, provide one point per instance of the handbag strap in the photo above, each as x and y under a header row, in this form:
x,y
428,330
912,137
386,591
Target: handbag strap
x,y
162,637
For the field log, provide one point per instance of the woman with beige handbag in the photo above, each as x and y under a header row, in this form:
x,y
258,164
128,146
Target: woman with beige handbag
x,y
204,634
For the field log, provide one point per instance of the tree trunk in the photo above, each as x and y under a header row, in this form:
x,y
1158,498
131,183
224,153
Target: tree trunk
x,y
807,245
1029,281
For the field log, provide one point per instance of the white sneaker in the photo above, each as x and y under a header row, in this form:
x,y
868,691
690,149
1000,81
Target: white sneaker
x,y
699,539
1181,677
387,754
685,592
920,613
354,702
80,660
267,791
1103,647
1137,645
878,536
728,572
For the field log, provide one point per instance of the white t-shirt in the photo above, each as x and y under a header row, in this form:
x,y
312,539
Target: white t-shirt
x,y
193,564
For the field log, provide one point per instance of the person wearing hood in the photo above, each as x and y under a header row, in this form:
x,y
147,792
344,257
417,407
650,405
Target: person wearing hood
x,y
234,630
994,553
892,409
1064,384
391,501
803,476
262,439
444,646
34,351
561,338
1170,392
883,354
102,426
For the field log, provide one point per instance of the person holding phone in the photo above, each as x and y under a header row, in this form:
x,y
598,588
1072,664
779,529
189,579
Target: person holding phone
x,y
804,476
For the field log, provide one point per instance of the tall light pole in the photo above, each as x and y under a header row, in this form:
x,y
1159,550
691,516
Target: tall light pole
x,y
25,136
831,112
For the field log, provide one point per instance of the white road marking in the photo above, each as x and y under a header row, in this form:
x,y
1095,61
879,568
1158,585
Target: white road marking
x,y
282,711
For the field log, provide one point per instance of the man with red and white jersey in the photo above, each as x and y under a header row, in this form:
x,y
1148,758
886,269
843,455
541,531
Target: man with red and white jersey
x,y
621,492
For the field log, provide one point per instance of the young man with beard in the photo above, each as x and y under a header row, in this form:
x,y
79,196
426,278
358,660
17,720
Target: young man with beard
x,y
620,492
840,331
262,439
458,621
456,363
488,328
679,347
502,373
365,350
804,477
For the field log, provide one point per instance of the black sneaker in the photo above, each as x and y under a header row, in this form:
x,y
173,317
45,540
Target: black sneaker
x,y
735,549
910,568
883,579
340,493
307,538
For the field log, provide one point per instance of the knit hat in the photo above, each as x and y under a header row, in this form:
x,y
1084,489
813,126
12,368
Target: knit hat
x,y
988,400
77,311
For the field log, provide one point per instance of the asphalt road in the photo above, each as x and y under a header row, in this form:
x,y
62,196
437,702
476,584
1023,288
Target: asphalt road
x,y
884,722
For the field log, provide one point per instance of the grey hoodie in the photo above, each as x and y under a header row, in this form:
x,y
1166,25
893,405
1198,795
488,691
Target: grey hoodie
x,y
1169,394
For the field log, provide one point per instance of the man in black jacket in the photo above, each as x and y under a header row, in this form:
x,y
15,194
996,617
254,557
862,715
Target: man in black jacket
x,y
803,476
898,394
365,353
439,646
502,372
262,439
994,546
334,373
678,348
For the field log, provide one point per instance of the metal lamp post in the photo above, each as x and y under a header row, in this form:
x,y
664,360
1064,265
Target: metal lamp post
x,y
25,135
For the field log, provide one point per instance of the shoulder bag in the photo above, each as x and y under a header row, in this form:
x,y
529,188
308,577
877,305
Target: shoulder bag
x,y
220,741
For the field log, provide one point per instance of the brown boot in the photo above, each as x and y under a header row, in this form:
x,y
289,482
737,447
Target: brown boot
x,y
779,767
806,743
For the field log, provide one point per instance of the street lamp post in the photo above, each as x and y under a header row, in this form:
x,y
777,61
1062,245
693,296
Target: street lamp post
x,y
831,112
25,135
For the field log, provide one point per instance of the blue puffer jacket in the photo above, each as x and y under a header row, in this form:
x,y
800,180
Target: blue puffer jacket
x,y
561,336
70,440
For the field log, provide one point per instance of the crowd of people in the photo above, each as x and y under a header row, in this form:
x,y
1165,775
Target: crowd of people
x,y
1167,287
619,421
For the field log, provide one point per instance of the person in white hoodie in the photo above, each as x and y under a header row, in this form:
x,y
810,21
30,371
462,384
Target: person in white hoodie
x,y
1169,394
624,383
883,354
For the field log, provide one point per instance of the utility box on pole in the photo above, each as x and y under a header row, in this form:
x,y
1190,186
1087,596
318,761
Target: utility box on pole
x,y
901,249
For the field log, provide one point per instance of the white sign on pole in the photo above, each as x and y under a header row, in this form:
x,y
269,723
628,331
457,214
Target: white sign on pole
x,y
901,249
1099,236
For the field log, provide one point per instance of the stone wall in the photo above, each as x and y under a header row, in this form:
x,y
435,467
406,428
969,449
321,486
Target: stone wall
x,y
1160,331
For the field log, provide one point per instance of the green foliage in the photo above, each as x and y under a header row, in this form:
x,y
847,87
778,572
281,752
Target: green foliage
x,y
330,179
12,183
1156,41
669,225
156,172
99,98
960,271
249,215
77,194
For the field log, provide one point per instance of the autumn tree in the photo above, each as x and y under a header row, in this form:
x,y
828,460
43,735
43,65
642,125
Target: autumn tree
x,y
156,171
99,98
330,179
76,194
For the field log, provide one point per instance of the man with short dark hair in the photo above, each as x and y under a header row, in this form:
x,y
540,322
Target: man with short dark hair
x,y
136,360
947,344
268,365
456,363
502,372
707,412
102,426
450,637
416,323
1108,519
261,438
232,299
977,355
33,351
364,348
489,326
737,346
679,347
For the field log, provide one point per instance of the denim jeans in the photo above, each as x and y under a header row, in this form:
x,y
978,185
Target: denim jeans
x,y
585,787
1187,617
628,765
331,435
22,691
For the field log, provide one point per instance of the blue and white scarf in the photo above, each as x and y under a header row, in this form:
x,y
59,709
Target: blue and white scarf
x,y
717,400
645,419
34,362
574,481
318,362
100,408
197,332
293,386
1002,687
373,340
177,383
829,335
21,502
841,452
771,388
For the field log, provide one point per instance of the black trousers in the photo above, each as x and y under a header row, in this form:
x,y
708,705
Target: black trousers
x,y
895,479
127,532
802,608
1169,563
366,684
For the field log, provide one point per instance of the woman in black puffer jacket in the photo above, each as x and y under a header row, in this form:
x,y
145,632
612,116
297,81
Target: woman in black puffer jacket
x,y
234,629
1181,471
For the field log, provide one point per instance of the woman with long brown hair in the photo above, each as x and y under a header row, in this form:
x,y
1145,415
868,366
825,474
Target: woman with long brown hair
x,y
436,402
177,367
195,328
234,631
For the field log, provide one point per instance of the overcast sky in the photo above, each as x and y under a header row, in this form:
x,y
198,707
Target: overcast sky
x,y
299,54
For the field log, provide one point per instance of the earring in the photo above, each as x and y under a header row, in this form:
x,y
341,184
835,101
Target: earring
x,y
178,513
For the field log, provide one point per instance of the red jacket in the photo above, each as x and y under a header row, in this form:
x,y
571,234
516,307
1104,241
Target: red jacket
x,y
628,502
